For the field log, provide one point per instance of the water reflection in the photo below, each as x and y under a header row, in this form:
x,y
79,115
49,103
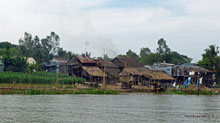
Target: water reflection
x,y
126,108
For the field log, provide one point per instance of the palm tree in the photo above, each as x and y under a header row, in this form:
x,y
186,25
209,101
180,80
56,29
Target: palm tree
x,y
211,54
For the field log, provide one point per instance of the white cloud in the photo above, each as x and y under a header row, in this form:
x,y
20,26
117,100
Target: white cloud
x,y
189,30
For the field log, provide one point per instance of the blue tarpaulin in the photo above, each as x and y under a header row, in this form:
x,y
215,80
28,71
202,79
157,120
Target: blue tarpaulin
x,y
197,83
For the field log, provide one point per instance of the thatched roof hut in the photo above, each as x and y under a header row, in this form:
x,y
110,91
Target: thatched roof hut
x,y
155,75
110,69
145,77
130,71
94,71
76,62
93,74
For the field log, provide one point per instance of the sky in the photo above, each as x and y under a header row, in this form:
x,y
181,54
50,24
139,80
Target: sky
x,y
188,26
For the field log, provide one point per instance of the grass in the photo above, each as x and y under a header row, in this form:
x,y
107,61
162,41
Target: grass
x,y
49,89
56,92
206,93
175,92
191,92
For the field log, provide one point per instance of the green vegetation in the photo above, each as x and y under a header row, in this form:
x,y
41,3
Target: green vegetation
x,y
42,50
163,53
206,93
56,92
37,78
175,92
11,58
211,60
93,91
189,92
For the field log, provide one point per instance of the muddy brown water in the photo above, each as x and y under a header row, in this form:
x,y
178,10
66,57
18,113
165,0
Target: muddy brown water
x,y
123,108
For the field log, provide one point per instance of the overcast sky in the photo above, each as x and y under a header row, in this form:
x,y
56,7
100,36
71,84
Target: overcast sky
x,y
188,26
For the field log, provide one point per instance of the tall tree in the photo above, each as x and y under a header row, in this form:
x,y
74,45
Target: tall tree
x,y
163,54
177,58
64,54
145,56
120,55
163,47
40,49
12,59
211,60
131,54
164,50
19,64
7,53
51,43
145,52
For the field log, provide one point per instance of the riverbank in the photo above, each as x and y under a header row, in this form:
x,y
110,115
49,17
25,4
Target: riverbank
x,y
58,92
192,92
53,89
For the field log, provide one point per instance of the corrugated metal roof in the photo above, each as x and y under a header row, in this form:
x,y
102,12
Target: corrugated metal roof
x,y
60,60
192,67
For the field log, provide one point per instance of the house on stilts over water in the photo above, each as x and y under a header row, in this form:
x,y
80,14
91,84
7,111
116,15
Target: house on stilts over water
x,y
85,67
134,73
145,77
186,73
112,71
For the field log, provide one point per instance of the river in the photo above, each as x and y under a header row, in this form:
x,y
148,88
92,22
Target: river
x,y
123,108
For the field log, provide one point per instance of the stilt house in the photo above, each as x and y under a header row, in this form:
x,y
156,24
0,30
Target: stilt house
x,y
110,69
182,72
85,67
145,77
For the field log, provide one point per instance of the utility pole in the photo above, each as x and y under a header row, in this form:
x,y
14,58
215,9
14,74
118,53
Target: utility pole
x,y
57,74
86,44
103,82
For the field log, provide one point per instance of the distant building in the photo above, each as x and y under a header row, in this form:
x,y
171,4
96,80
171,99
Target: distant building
x,y
92,74
85,67
124,62
145,77
165,67
31,60
76,62
58,65
110,69
184,71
